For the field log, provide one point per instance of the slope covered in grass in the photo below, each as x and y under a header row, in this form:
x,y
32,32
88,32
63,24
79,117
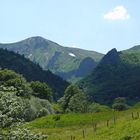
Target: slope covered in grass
x,y
82,126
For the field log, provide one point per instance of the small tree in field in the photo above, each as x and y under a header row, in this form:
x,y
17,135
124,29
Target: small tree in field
x,y
120,104
74,100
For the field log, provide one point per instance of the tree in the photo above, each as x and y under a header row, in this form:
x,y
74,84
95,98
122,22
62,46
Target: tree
x,y
120,104
12,107
16,101
42,90
74,100
10,78
78,103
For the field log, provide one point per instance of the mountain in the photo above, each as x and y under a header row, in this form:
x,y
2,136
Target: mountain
x,y
32,71
63,61
117,75
86,67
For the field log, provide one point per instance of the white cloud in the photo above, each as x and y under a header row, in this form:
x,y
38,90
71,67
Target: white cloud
x,y
118,13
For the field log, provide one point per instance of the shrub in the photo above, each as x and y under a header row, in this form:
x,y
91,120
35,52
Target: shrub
x,y
22,134
9,78
74,100
57,108
95,107
42,90
120,104
14,109
78,103
127,138
56,117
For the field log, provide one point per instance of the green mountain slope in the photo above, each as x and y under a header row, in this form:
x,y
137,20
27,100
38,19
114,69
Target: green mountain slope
x,y
117,75
123,128
50,55
31,71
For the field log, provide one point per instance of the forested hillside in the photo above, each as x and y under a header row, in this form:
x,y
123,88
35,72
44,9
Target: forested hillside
x,y
117,75
32,71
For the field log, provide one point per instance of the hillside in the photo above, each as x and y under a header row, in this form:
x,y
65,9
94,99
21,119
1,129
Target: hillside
x,y
82,126
63,61
117,75
32,71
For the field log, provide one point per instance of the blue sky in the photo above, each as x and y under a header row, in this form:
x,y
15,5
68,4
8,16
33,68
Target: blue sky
x,y
98,25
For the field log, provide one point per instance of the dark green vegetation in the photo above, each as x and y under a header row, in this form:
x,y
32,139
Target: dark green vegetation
x,y
27,104
76,101
32,71
17,99
120,104
69,63
18,104
42,90
117,75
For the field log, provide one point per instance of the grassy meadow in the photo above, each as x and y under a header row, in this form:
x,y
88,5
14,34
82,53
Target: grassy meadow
x,y
108,125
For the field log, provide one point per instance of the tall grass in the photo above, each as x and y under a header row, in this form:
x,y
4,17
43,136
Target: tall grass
x,y
69,126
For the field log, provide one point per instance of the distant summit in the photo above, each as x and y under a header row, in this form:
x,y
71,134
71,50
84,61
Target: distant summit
x,y
112,57
53,56
117,75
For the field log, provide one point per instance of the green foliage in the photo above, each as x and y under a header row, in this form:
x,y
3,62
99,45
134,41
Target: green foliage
x,y
56,117
95,107
114,77
22,134
69,120
31,71
41,90
57,108
120,100
74,100
38,108
68,125
10,78
14,105
12,108
120,104
78,103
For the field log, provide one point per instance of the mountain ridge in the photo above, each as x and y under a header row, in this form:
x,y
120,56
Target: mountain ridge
x,y
111,80
44,52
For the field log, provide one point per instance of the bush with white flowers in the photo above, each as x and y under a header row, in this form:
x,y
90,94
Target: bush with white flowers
x,y
22,134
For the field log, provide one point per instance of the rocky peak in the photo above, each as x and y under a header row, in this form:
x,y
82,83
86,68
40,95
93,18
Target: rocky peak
x,y
112,57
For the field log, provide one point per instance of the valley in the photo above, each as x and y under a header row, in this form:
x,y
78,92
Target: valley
x,y
37,104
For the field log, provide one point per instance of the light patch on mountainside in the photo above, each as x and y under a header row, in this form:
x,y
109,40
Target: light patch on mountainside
x,y
71,54
30,55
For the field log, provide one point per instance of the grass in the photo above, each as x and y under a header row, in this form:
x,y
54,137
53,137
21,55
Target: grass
x,y
67,126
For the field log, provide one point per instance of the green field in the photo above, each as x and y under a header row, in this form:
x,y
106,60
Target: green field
x,y
110,126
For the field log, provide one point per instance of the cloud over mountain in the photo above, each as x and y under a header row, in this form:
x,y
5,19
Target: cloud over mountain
x,y
118,13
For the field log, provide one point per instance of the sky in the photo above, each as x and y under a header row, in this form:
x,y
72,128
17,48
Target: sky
x,y
98,25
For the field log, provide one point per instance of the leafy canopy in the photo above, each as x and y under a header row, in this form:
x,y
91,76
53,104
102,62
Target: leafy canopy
x,y
42,90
